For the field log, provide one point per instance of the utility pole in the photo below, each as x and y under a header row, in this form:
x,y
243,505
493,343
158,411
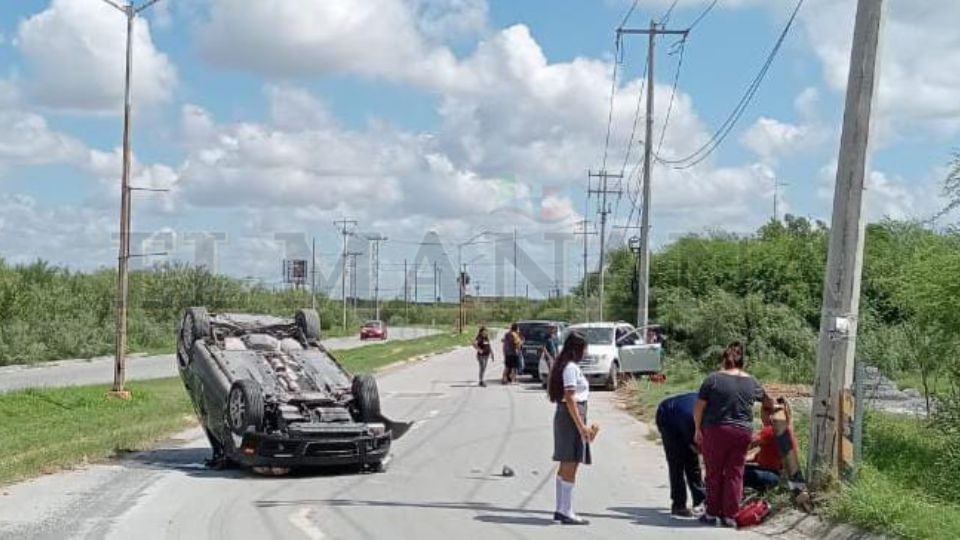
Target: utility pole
x,y
643,281
344,226
123,259
831,449
352,257
603,190
514,263
583,223
376,240
777,184
313,274
406,293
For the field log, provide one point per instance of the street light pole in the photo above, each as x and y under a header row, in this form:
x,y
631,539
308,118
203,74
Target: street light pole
x,y
123,258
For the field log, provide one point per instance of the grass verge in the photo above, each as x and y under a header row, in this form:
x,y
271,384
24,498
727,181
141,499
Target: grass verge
x,y
372,357
906,486
47,430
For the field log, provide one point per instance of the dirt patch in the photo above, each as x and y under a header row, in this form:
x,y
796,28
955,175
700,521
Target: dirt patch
x,y
789,390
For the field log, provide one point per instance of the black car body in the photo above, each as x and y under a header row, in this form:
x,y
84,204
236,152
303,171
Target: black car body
x,y
535,335
270,396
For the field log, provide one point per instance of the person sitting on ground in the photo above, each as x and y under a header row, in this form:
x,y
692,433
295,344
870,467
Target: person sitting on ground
x,y
763,471
676,426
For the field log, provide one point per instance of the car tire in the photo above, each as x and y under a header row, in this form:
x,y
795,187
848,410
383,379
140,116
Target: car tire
x,y
245,407
613,379
196,325
308,320
366,396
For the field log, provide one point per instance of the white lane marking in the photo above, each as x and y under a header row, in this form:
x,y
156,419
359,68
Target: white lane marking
x,y
301,520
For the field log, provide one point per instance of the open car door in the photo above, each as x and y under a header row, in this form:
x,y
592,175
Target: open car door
x,y
641,358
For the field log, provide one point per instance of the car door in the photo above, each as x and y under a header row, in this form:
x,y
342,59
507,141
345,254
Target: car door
x,y
637,356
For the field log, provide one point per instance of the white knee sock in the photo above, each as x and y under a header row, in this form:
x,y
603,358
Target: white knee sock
x,y
559,509
567,508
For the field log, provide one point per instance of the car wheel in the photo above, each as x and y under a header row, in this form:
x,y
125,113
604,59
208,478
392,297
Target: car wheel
x,y
308,320
245,407
196,325
613,379
367,398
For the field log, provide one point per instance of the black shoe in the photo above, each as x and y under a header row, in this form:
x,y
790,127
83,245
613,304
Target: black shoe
x,y
681,511
483,384
557,516
567,520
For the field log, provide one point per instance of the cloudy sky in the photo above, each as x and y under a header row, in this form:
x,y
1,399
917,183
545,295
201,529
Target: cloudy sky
x,y
270,119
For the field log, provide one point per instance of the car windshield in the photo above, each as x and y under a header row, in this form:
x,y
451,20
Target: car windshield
x,y
596,336
537,332
372,324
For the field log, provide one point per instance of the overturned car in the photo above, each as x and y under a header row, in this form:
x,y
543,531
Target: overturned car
x,y
271,397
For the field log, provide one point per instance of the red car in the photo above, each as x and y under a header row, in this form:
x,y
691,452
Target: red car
x,y
373,330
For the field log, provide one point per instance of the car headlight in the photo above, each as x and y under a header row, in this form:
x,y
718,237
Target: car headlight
x,y
377,430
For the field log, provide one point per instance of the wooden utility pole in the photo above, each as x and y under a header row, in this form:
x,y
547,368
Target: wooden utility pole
x,y
344,226
376,240
583,223
130,11
643,279
831,449
602,191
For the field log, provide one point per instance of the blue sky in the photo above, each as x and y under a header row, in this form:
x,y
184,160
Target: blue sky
x,y
453,116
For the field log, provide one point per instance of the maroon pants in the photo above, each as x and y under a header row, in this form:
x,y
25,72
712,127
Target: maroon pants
x,y
724,454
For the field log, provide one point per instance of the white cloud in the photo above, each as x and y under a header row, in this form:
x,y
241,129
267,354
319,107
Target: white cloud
x,y
74,56
890,196
770,139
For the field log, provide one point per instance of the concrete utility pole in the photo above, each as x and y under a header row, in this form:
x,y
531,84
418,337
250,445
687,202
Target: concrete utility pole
x,y
123,259
406,292
344,226
313,274
376,240
643,281
352,257
831,449
514,263
583,223
603,190
777,184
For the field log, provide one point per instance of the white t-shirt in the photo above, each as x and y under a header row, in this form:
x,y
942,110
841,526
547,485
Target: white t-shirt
x,y
573,379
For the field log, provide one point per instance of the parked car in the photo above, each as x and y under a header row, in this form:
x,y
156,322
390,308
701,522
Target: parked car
x,y
535,335
373,330
271,397
614,348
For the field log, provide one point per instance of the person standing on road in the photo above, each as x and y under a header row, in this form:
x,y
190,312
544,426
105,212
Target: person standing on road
x,y
484,351
512,343
551,346
677,430
569,389
723,417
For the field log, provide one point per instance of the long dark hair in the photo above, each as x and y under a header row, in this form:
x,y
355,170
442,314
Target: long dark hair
x,y
482,332
573,349
733,356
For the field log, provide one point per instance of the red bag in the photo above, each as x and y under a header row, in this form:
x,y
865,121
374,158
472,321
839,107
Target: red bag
x,y
752,514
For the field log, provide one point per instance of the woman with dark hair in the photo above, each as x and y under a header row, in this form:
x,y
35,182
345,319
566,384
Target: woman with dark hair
x,y
723,417
512,343
484,351
569,389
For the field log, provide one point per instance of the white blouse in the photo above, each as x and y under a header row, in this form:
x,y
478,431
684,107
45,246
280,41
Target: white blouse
x,y
573,379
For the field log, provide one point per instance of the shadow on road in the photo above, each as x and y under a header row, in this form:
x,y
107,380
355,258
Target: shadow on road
x,y
656,517
192,461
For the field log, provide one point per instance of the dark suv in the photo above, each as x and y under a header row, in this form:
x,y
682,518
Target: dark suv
x,y
535,335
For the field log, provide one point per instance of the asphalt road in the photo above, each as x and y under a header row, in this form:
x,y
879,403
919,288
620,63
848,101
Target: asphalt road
x,y
443,482
100,370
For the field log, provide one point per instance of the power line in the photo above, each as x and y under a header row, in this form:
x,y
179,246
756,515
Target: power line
x,y
673,94
666,16
703,15
727,127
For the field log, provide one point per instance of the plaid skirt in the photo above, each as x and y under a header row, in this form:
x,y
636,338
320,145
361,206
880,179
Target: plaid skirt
x,y
568,445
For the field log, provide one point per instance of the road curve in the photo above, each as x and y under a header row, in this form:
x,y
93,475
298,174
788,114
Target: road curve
x,y
443,482
100,370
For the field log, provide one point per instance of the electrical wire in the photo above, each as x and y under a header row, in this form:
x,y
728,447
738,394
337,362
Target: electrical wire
x,y
726,128
673,94
666,16
703,15
626,18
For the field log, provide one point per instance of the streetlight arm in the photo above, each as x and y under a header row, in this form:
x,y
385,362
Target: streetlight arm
x,y
117,6
143,7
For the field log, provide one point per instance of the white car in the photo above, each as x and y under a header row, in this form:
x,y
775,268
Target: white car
x,y
613,348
